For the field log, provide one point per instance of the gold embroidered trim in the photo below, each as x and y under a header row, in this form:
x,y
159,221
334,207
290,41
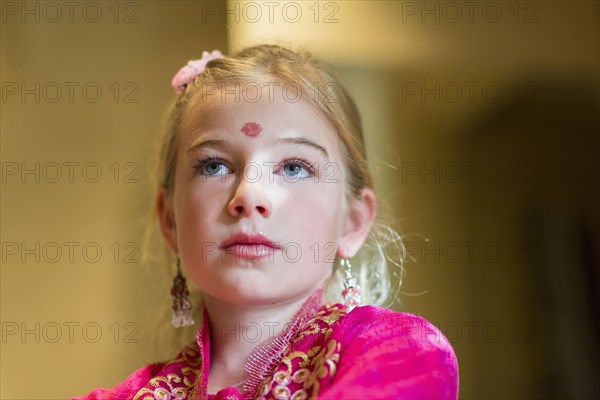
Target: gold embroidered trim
x,y
171,387
316,364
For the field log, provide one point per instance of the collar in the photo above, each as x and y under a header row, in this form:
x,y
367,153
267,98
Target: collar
x,y
263,360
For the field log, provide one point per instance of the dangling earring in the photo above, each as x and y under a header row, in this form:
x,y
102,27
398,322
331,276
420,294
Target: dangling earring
x,y
182,307
351,292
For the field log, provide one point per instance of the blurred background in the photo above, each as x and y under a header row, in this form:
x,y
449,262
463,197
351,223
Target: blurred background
x,y
482,132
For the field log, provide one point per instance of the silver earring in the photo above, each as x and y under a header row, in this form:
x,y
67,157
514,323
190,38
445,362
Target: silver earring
x,y
351,292
182,306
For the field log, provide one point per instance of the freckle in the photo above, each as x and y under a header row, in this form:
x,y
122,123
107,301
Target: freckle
x,y
251,129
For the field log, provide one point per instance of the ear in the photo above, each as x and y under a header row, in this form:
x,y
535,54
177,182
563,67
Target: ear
x,y
166,218
360,218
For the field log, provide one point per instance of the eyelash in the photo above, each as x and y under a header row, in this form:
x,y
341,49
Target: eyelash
x,y
201,163
301,162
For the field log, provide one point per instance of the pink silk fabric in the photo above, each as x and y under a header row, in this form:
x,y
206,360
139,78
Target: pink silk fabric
x,y
324,353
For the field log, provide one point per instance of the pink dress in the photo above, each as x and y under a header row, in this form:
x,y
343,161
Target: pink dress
x,y
324,353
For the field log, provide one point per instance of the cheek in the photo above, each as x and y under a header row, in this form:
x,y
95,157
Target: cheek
x,y
197,206
316,211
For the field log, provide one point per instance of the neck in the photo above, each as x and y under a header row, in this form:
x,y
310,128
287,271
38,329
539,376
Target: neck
x,y
236,330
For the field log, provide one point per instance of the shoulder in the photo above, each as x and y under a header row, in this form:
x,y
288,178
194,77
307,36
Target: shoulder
x,y
407,330
395,354
128,387
155,378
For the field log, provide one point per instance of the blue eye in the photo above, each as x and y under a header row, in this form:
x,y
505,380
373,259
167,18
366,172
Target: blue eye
x,y
293,169
212,166
297,169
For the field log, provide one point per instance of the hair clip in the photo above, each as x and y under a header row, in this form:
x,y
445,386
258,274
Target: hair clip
x,y
187,73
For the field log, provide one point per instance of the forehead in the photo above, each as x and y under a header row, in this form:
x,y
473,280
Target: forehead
x,y
281,113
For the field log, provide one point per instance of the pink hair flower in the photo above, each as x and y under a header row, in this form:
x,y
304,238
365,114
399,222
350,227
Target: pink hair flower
x,y
188,72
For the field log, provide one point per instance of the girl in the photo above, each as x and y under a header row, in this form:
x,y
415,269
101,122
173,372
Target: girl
x,y
263,191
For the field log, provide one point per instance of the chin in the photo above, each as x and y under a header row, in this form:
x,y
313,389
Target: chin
x,y
240,290
248,298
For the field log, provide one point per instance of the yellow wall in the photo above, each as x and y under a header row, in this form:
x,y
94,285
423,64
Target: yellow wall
x,y
132,61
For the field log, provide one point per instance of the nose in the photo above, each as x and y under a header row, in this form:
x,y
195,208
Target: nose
x,y
250,197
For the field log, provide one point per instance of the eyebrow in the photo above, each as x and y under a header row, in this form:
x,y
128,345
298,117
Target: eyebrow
x,y
283,141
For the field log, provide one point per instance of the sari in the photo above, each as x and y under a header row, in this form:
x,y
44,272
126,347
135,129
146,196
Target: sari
x,y
325,352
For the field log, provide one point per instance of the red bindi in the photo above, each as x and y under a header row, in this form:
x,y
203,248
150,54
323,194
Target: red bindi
x,y
251,129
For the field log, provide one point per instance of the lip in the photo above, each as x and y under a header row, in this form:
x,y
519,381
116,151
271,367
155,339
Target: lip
x,y
250,246
243,239
250,252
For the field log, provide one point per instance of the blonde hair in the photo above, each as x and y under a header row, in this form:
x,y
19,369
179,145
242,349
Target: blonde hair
x,y
317,80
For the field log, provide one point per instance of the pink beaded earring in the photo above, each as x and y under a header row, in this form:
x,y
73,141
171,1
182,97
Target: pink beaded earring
x,y
182,307
351,292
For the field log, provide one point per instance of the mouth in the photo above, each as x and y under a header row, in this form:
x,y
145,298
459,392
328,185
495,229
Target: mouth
x,y
250,246
249,239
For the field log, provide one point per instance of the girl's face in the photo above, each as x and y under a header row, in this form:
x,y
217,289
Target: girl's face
x,y
271,170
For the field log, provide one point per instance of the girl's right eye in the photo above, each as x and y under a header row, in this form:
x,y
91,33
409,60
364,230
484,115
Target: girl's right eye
x,y
212,166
